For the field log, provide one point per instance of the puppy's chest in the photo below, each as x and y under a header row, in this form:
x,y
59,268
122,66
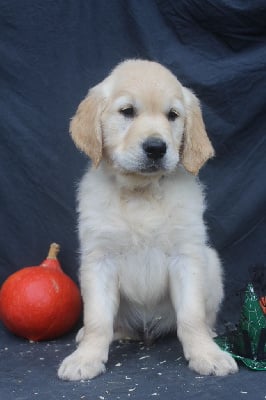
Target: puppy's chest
x,y
147,218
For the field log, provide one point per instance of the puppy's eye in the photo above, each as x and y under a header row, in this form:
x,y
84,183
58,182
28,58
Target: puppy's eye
x,y
172,115
128,112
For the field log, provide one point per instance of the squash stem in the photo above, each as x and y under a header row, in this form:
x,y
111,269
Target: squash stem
x,y
53,251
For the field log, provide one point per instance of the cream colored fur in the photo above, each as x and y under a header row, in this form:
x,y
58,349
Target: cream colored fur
x,y
146,267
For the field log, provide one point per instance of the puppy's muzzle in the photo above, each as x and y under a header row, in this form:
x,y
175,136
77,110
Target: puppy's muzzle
x,y
154,148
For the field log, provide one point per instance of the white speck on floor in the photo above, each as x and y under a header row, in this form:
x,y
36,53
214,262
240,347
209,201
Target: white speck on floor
x,y
142,358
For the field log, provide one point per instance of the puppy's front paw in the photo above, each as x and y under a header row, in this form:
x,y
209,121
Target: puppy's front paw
x,y
213,362
81,365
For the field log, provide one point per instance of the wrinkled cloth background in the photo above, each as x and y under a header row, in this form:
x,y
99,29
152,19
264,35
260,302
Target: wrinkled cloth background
x,y
53,51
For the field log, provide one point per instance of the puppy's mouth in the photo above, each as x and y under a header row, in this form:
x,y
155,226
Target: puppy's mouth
x,y
151,167
145,164
145,169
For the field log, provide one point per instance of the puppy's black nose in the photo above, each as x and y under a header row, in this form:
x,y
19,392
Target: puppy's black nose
x,y
154,148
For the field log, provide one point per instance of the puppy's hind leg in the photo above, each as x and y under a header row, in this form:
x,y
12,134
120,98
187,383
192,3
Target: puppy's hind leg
x,y
118,335
124,323
213,288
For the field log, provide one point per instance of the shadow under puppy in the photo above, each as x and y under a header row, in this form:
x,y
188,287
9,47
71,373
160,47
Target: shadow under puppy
x,y
145,261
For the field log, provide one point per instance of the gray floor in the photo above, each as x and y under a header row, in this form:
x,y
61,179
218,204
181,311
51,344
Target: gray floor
x,y
134,371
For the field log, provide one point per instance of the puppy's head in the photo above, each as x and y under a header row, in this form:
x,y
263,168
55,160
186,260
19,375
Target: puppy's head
x,y
142,121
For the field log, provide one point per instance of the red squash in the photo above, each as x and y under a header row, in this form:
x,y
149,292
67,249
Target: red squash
x,y
40,302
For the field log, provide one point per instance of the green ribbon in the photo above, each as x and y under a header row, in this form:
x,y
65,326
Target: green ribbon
x,y
248,342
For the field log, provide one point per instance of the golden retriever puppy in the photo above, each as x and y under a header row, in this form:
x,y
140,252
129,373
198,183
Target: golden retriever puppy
x,y
146,267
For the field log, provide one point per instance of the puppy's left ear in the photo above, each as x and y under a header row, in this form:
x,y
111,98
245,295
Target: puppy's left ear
x,y
197,148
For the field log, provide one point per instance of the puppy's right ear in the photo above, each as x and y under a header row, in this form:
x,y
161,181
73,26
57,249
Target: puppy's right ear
x,y
85,126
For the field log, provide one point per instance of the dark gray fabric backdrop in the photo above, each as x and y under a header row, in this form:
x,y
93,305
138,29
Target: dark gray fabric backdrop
x,y
52,51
